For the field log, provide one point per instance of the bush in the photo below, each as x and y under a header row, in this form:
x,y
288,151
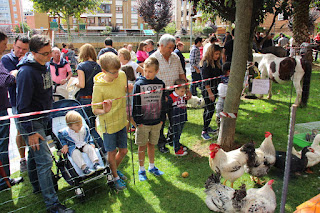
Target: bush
x,y
22,27
208,30
107,31
170,28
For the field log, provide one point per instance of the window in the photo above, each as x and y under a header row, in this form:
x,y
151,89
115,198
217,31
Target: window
x,y
118,9
16,22
104,21
106,8
134,10
15,9
13,2
15,15
91,22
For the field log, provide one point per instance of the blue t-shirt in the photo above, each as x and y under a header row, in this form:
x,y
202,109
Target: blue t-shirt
x,y
107,49
90,69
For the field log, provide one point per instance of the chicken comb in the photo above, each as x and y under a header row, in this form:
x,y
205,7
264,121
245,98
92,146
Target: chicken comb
x,y
267,134
213,145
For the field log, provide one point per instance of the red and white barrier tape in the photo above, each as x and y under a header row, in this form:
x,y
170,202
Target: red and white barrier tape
x,y
229,115
87,105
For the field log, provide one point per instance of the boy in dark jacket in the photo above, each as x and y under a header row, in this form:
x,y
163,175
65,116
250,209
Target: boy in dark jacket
x,y
148,114
178,108
34,93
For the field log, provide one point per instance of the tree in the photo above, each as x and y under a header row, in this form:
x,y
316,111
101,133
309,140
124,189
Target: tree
x,y
66,8
247,15
227,11
157,13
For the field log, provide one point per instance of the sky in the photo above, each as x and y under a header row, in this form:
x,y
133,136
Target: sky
x,y
26,4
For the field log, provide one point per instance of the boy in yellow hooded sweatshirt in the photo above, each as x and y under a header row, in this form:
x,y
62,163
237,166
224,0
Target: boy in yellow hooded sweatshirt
x,y
111,84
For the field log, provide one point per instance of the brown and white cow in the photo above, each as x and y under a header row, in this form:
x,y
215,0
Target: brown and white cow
x,y
284,69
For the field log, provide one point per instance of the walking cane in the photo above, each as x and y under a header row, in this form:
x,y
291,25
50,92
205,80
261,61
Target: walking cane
x,y
131,146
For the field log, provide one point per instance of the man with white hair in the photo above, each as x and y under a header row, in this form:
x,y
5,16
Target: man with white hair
x,y
170,69
132,53
60,72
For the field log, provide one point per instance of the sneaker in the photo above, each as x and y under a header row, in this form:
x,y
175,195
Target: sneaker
x,y
156,171
181,152
15,181
211,131
205,136
163,149
121,175
142,175
184,148
23,166
87,171
59,208
97,167
120,185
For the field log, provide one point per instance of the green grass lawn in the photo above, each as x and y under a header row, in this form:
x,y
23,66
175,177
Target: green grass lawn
x,y
171,192
186,55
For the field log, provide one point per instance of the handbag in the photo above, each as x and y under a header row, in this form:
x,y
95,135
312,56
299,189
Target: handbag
x,y
72,88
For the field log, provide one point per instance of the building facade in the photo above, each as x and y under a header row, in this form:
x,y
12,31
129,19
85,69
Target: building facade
x,y
10,13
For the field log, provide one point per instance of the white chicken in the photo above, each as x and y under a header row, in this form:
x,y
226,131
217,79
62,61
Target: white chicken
x,y
265,158
231,164
221,198
262,200
313,157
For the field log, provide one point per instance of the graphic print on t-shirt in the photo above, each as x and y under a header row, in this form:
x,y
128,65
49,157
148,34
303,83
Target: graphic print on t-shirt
x,y
151,102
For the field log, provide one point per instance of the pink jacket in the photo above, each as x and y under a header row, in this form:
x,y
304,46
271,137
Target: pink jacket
x,y
142,55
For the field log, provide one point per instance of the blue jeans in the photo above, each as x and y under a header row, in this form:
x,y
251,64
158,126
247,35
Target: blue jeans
x,y
39,165
195,77
177,131
4,144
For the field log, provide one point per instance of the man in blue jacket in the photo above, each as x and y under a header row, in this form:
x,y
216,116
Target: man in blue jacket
x,y
34,93
10,62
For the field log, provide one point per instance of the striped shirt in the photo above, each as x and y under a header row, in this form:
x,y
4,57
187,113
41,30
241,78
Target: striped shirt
x,y
169,71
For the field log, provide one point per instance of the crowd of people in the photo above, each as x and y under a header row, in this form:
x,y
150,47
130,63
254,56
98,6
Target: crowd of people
x,y
33,71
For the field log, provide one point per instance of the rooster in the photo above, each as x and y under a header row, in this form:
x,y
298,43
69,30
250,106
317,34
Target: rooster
x,y
265,158
221,198
231,164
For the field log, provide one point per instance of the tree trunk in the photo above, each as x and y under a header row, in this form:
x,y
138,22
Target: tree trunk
x,y
300,21
68,26
238,69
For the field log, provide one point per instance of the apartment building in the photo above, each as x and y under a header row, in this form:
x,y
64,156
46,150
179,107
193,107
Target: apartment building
x,y
10,12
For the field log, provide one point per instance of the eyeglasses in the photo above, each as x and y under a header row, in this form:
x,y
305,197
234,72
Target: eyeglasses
x,y
45,53
113,73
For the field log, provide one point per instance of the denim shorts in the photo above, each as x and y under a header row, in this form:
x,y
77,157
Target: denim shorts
x,y
117,139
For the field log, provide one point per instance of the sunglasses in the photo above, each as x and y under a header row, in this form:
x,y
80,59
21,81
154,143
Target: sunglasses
x,y
45,53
